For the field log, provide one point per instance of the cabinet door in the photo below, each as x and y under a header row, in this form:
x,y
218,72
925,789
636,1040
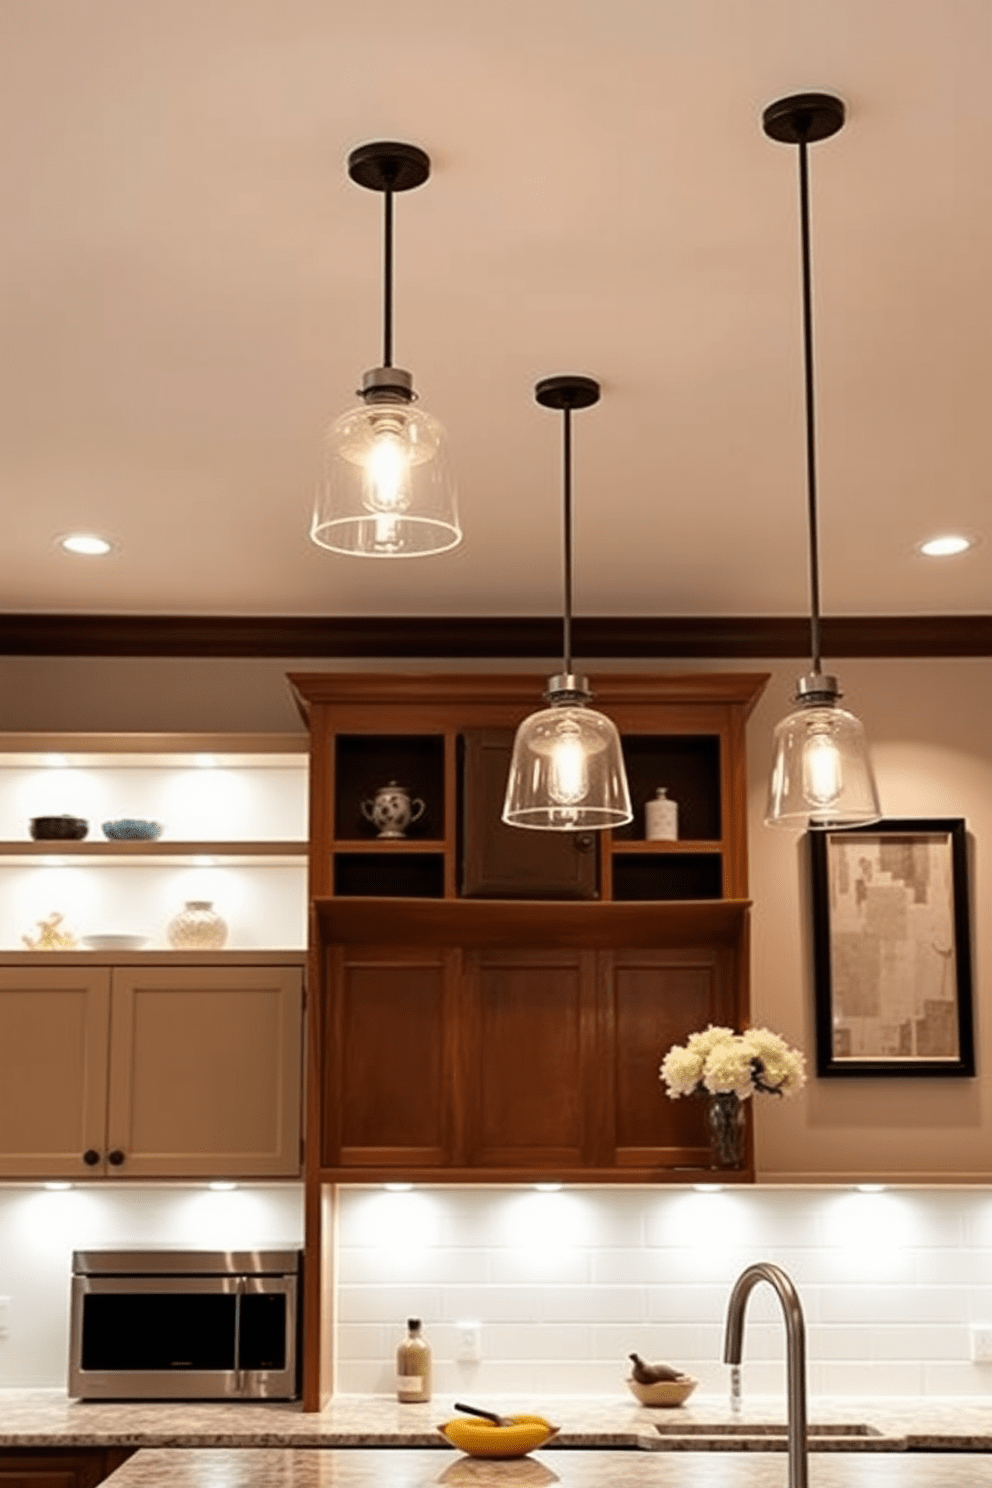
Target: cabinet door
x,y
653,999
54,1024
45,1467
390,1076
501,862
205,1072
531,1025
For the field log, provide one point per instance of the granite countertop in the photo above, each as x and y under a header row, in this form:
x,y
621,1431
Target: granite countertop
x,y
47,1418
419,1468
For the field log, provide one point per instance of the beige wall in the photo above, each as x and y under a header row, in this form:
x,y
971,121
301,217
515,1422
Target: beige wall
x,y
930,725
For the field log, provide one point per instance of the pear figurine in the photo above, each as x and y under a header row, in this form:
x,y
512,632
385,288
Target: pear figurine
x,y
652,1374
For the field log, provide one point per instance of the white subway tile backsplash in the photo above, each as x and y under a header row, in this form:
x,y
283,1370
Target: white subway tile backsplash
x,y
854,1378
382,1304
917,1341
834,1341
445,1266
547,1265
567,1284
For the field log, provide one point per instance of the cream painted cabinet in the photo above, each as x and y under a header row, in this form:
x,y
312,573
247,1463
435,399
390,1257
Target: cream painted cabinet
x,y
150,1070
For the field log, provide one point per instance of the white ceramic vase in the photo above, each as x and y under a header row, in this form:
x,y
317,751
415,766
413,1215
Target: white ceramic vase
x,y
198,927
661,818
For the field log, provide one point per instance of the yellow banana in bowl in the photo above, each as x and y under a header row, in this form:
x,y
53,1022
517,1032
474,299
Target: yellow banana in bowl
x,y
520,1435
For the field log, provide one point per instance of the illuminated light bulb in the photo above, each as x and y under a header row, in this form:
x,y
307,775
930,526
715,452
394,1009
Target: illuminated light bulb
x,y
568,778
387,470
822,777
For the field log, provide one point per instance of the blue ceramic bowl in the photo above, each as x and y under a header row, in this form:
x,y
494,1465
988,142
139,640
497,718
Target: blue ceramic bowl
x,y
130,829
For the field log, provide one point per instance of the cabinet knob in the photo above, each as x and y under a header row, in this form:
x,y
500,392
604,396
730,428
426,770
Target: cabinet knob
x,y
584,842
91,1157
115,1158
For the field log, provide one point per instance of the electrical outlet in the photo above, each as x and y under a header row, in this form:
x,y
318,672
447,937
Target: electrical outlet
x,y
981,1343
4,1316
468,1342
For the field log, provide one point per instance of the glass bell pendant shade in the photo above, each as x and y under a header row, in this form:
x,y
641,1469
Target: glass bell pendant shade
x,y
567,772
387,489
821,772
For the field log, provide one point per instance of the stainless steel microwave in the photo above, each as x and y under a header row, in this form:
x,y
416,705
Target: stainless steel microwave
x,y
184,1325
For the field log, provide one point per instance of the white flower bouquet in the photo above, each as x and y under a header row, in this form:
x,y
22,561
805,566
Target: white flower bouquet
x,y
719,1061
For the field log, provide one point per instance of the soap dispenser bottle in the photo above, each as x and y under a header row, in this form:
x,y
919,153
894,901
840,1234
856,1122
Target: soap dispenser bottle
x,y
413,1365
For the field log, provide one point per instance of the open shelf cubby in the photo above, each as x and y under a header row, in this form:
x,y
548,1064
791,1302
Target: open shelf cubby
x,y
688,765
385,875
682,875
366,762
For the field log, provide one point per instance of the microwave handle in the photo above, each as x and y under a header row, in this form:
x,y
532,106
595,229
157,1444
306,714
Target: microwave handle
x,y
239,1374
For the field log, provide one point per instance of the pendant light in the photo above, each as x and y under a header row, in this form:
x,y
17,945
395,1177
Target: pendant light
x,y
821,773
567,771
386,487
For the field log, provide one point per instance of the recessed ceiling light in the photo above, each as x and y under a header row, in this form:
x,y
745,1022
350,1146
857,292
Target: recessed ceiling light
x,y
946,546
87,543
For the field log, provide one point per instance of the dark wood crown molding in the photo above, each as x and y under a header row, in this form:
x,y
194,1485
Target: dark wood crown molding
x,y
622,637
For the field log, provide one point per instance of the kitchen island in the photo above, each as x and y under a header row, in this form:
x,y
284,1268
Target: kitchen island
x,y
421,1468
48,1419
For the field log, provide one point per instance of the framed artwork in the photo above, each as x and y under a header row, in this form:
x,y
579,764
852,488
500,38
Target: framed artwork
x,y
892,949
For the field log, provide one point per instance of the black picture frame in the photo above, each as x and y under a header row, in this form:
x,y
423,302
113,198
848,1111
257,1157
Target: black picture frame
x,y
875,959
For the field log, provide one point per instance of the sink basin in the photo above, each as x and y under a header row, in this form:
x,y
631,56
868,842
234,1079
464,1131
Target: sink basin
x,y
767,1436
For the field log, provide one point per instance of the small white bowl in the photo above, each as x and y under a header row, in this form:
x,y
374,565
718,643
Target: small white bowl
x,y
664,1392
114,942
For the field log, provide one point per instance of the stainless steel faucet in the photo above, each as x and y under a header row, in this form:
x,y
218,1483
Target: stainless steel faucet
x,y
795,1339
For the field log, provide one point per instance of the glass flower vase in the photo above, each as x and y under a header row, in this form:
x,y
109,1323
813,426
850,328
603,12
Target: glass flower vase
x,y
727,1129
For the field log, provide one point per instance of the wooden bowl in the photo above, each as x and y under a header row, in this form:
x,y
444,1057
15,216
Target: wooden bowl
x,y
664,1392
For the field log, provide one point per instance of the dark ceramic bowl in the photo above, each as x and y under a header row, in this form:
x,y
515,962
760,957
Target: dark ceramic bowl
x,y
59,828
131,829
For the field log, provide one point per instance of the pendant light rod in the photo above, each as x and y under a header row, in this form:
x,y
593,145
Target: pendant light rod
x,y
800,120
387,279
388,166
566,626
565,394
814,539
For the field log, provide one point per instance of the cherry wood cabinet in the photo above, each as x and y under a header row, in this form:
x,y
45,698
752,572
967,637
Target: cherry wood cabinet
x,y
53,1467
149,1070
489,1004
498,1040
441,736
